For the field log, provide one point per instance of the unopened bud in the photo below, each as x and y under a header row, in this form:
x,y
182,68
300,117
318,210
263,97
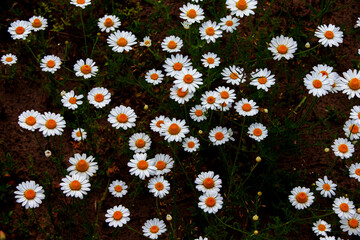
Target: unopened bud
x,y
256,232
326,150
63,92
200,131
146,107
168,217
255,217
307,45
259,193
47,153
266,110
258,159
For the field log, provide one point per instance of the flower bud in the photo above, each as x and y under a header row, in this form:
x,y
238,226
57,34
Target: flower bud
x,y
47,153
168,217
258,159
307,45
255,217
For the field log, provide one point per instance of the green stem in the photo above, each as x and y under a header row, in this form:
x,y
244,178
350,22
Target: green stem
x,y
96,40
229,226
31,51
83,26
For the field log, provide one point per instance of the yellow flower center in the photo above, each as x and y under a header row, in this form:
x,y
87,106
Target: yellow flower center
x,y
224,94
99,97
210,31
210,202
50,64
154,76
188,78
198,112
191,13
50,124
177,66
172,44
108,22
158,124
329,34
357,171
282,49
246,107
210,60
154,229
180,93
75,185
353,223
324,73
322,227
122,118
20,30
159,186
229,23
241,5
234,75
140,143
160,165
9,59
354,84
191,144
219,136
142,164
257,132
317,83
122,42
343,148
72,100
82,166
29,194
117,215
354,129
174,129
344,207
85,69
208,183
78,134
118,188
262,80
210,100
326,187
30,120
301,197
80,1
37,23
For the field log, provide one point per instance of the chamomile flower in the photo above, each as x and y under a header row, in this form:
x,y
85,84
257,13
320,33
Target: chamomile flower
x,y
208,181
139,142
38,23
99,97
301,197
121,41
351,129
226,95
179,95
172,44
257,131
82,165
141,167
8,59
335,86
85,69
210,60
210,31
357,23
320,228
29,194
109,23
122,117
175,64
326,187
224,107
192,13
188,79
246,107
282,47
329,35
197,113
343,207
351,224
29,120
51,124
234,75
118,188
75,186
19,29
117,216
80,3
174,130
327,71
154,76
159,186
317,84
355,113
343,148
354,171
156,123
153,228
210,202
219,135
79,134
191,144
50,63
146,42
229,23
350,83
163,163
262,79
241,8
71,101
209,100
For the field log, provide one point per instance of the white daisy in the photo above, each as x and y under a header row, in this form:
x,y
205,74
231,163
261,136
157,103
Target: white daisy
x,y
208,181
139,142
262,79
350,83
223,106
172,44
234,75
226,95
141,167
343,148
229,23
335,86
317,84
354,171
210,31
109,23
29,194
210,60
121,41
75,186
329,35
50,63
118,188
246,107
210,202
320,228
192,13
154,76
117,216
257,131
19,29
153,228
191,144
282,47
79,134
355,113
175,64
327,71
162,162
82,166
301,197
241,8
326,186
343,207
99,97
29,120
174,130
179,95
156,123
351,225
188,79
38,23
197,113
209,100
122,117
357,23
351,129
71,101
146,42
51,124
80,3
86,68
8,59
219,135
159,186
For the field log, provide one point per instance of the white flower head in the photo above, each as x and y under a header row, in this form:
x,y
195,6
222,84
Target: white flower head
x,y
241,8
121,41
262,79
282,47
117,216
301,197
159,186
85,69
79,134
197,113
29,194
188,79
82,165
122,117
329,35
75,186
210,60
210,31
172,44
153,228
29,120
139,142
19,29
234,75
51,124
141,167
71,101
118,188
326,187
99,97
80,3
174,130
343,148
192,13
50,63
8,59
109,23
210,202
38,23
257,131
191,144
208,181
343,207
163,163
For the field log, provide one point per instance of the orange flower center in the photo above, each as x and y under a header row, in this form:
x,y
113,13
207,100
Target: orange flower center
x,y
159,186
9,59
329,34
353,223
154,76
160,165
343,148
29,194
147,42
198,113
326,187
357,171
177,66
229,23
301,197
224,94
208,183
50,64
241,5
344,207
246,107
140,143
180,93
317,83
122,42
99,97
30,120
85,69
78,134
354,84
122,118
72,100
324,73
188,78
142,164
82,166
210,100
210,31
172,44
210,202
80,1
75,185
322,227
158,124
262,80
191,13
108,22
359,115
118,188
210,60
191,144
20,30
37,23
117,215
282,49
50,124
174,129
234,75
257,132
354,129
219,136
154,229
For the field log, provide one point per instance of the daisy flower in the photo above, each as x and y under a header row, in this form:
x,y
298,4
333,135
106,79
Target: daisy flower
x,y
219,135
174,130
118,188
122,117
38,23
159,186
224,107
86,68
197,113
79,134
50,63
208,181
51,124
179,95
29,194
246,107
210,31
257,131
329,35
226,95
355,113
188,79
75,186
317,84
117,216
326,186
229,23
186,25
162,162
301,197
172,44
282,47
19,29
146,42
262,79
357,23
351,225
175,64
153,228
241,8
320,228
156,123
209,100
210,202
192,13
29,120
8,59
99,97
343,207
108,23
327,71
121,41
141,167
139,142
82,166
154,76
234,75
335,86
351,129
191,144
210,60
354,171
71,101
80,3
343,148
350,83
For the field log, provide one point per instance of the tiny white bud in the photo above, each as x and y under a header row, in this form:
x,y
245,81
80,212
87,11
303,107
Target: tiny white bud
x,y
307,45
258,159
168,217
186,25
326,150
146,107
255,217
63,92
47,153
